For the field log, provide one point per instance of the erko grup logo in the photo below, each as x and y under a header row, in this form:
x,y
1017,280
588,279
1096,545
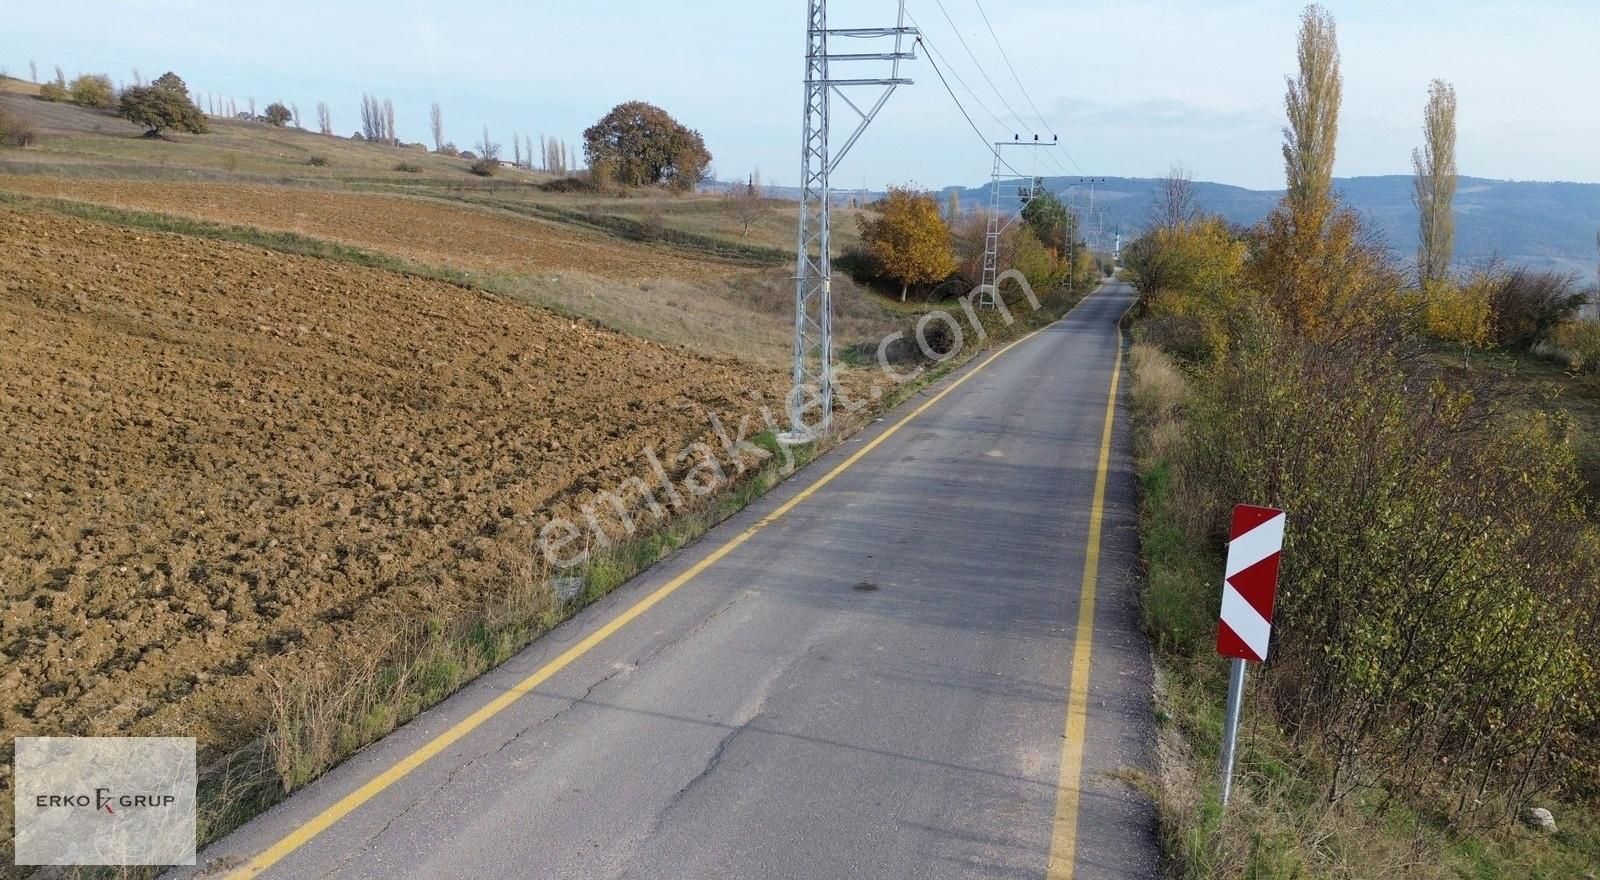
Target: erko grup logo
x,y
105,800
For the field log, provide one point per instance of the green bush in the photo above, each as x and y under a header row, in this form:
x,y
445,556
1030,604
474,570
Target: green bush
x,y
408,167
93,90
318,161
55,92
485,167
1437,614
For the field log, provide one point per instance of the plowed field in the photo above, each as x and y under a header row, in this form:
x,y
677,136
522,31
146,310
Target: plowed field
x,y
429,232
221,460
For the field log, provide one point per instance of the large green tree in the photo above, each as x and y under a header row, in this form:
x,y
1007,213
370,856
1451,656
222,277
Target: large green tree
x,y
640,144
162,105
1049,218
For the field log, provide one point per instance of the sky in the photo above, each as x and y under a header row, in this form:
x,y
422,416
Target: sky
x,y
1129,86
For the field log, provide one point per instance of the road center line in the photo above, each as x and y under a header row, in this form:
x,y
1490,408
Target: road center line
x,y
1064,832
345,805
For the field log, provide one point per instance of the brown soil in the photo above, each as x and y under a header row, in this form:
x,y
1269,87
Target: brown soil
x,y
221,461
423,231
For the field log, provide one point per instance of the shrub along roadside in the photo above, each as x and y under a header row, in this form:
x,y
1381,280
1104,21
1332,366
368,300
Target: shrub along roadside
x,y
1282,822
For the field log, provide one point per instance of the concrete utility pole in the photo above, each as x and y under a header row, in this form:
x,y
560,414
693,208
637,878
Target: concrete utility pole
x,y
988,294
811,398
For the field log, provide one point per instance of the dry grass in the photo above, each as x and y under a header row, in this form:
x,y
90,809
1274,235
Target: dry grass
x,y
10,85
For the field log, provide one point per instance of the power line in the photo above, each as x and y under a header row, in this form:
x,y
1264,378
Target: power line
x,y
953,72
1007,59
1014,114
934,50
987,144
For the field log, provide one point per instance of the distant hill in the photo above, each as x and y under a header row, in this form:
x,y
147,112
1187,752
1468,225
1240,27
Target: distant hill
x,y
1541,225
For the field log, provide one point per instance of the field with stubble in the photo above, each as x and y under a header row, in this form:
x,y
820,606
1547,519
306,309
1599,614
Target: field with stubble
x,y
223,462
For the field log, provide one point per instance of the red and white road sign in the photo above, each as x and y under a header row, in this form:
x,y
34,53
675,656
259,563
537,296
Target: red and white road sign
x,y
1250,583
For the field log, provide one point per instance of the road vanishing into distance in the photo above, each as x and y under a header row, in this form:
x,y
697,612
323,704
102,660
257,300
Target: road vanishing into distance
x,y
918,658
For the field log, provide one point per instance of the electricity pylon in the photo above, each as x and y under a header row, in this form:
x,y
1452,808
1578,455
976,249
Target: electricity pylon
x,y
1094,215
988,294
811,398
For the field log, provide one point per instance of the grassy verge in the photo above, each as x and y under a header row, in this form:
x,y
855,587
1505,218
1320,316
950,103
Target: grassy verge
x,y
1279,824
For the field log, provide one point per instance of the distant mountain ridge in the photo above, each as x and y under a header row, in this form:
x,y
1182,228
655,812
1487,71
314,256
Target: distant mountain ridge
x,y
1543,225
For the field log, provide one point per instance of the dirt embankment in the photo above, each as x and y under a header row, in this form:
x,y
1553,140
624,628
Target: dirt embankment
x,y
428,232
221,461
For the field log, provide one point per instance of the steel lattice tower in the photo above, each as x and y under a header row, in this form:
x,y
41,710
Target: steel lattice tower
x,y
811,399
988,293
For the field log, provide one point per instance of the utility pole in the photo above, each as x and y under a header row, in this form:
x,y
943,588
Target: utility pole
x,y
1072,242
988,294
811,398
1093,182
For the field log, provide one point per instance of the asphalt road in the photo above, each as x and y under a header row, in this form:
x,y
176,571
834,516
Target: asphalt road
x,y
875,684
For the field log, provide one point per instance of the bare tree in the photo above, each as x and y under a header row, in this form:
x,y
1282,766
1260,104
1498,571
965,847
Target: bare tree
x,y
1435,184
1310,137
33,70
488,149
61,77
294,110
137,79
388,122
1176,205
516,149
324,118
252,100
371,118
436,124
746,204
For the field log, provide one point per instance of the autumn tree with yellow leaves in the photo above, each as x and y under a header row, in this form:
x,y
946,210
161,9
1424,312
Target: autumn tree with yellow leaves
x,y
908,240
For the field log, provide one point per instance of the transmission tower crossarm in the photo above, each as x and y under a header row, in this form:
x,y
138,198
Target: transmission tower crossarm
x,y
875,56
901,31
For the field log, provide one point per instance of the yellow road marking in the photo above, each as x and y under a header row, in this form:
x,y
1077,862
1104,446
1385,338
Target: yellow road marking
x,y
322,821
1064,832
